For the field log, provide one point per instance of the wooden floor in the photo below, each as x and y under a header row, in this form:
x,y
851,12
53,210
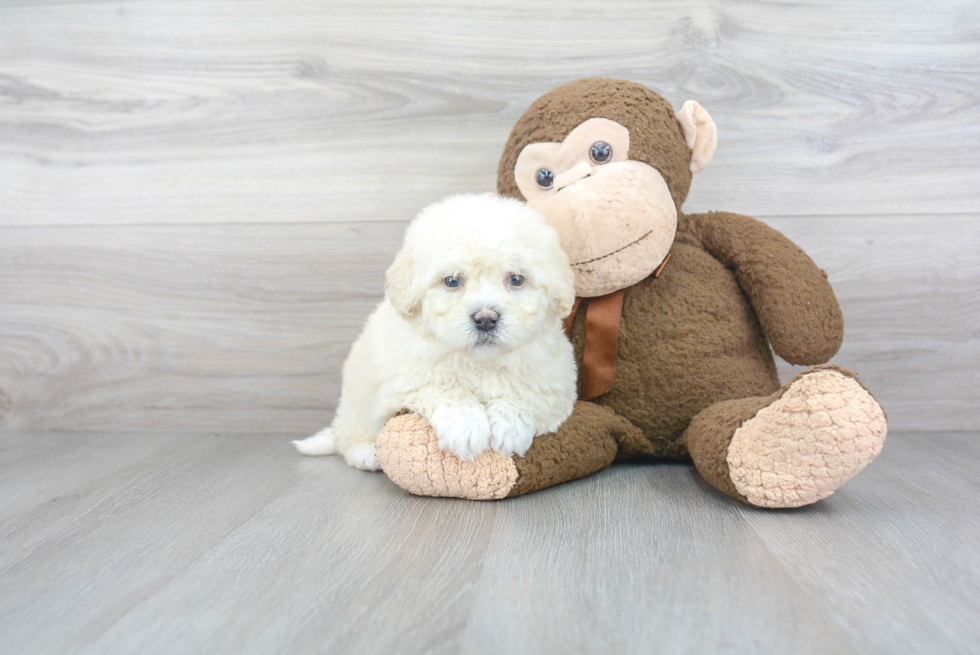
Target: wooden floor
x,y
235,544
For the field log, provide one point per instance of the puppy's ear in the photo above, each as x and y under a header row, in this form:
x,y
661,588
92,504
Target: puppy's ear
x,y
560,278
564,291
399,284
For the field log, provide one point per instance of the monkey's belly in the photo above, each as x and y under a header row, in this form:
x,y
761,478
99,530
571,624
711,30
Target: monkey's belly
x,y
687,339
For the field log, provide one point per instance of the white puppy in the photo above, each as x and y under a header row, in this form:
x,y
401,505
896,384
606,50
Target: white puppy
x,y
470,336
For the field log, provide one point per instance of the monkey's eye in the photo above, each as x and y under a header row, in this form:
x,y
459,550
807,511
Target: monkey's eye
x,y
516,280
545,178
452,282
600,152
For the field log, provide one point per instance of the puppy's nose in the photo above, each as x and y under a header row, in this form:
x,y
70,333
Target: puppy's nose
x,y
485,319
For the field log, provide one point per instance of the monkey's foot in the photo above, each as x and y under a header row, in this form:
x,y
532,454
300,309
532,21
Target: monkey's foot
x,y
821,429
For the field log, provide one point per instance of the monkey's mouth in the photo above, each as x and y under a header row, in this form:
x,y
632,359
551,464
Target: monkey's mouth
x,y
614,252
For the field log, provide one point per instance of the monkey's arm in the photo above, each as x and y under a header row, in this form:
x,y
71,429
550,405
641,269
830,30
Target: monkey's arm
x,y
409,452
791,296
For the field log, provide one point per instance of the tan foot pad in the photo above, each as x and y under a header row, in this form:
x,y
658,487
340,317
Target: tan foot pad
x,y
410,455
823,430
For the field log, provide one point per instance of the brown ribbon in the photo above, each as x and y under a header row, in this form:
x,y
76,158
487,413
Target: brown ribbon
x,y
602,318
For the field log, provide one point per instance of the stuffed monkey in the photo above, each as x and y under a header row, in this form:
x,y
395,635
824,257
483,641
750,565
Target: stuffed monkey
x,y
676,323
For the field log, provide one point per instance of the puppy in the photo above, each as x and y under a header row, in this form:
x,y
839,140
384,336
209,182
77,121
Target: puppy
x,y
469,337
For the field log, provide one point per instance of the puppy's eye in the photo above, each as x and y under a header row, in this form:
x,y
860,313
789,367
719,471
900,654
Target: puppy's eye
x,y
545,178
600,152
452,282
516,280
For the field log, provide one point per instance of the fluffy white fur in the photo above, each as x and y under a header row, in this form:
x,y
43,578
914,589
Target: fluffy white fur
x,y
421,349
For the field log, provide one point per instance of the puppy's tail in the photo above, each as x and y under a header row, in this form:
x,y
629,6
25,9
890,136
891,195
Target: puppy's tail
x,y
321,443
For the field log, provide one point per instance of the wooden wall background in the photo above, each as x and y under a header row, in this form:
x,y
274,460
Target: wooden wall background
x,y
198,199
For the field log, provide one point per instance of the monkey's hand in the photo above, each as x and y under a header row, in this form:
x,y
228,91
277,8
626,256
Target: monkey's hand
x,y
791,296
409,452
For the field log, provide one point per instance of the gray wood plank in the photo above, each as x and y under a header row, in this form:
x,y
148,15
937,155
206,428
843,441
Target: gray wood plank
x,y
245,327
207,326
344,562
894,556
216,111
38,467
238,544
87,559
558,570
639,559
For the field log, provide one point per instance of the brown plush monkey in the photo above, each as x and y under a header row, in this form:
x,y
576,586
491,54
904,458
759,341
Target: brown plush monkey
x,y
673,349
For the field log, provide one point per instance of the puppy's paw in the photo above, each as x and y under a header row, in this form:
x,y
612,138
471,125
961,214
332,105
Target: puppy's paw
x,y
511,428
463,430
362,456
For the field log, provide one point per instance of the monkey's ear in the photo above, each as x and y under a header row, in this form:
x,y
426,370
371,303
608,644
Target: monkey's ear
x,y
700,133
399,284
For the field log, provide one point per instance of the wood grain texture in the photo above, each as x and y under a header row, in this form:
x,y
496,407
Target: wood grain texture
x,y
204,327
246,328
39,466
190,500
222,111
198,199
845,574
238,544
910,293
